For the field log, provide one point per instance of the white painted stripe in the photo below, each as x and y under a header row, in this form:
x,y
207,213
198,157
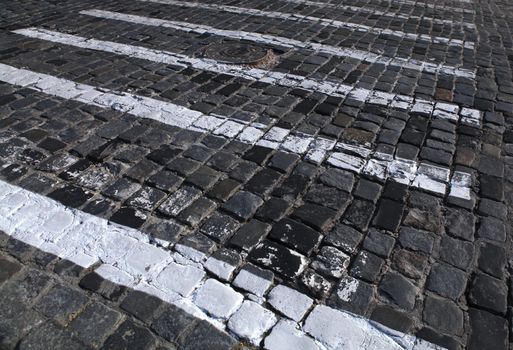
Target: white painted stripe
x,y
286,42
327,87
322,21
434,6
127,257
355,158
377,12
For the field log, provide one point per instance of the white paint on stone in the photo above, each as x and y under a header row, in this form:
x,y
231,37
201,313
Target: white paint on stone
x,y
149,108
218,299
285,335
318,20
377,12
336,330
251,321
181,282
461,185
252,283
220,268
351,157
347,291
285,42
289,302
181,279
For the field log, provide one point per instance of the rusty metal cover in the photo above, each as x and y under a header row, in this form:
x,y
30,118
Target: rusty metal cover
x,y
241,54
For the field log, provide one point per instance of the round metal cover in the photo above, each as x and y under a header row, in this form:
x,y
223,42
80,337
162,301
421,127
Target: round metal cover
x,y
238,53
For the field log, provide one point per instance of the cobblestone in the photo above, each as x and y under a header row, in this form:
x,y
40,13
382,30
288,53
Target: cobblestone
x,y
367,166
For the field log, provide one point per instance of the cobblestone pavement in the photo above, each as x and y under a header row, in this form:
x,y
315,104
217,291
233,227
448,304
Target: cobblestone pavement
x,y
237,174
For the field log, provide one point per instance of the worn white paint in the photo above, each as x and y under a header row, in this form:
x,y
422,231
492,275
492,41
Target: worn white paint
x,y
290,302
377,12
318,20
355,158
406,2
126,104
365,56
127,257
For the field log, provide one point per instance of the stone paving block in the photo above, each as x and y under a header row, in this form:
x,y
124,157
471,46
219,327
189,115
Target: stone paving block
x,y
399,289
489,293
9,268
48,333
284,334
278,258
443,314
141,305
446,281
172,323
129,335
298,236
393,318
217,299
182,279
486,330
219,227
344,237
250,234
492,259
251,321
243,204
254,279
204,336
16,325
93,324
290,302
353,295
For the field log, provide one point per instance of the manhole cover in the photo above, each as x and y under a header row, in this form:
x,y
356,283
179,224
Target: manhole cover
x,y
241,53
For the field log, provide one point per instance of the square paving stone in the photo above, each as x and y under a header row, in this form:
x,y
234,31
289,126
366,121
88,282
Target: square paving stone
x,y
359,214
172,322
219,227
487,331
130,217
243,204
340,179
328,196
387,315
250,234
492,259
488,293
71,196
129,336
165,180
411,264
94,323
389,215
330,262
443,315
344,237
398,290
147,198
367,266
61,303
353,295
278,258
273,209
447,281
317,216
460,223
141,305
48,333
206,336
456,252
296,235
